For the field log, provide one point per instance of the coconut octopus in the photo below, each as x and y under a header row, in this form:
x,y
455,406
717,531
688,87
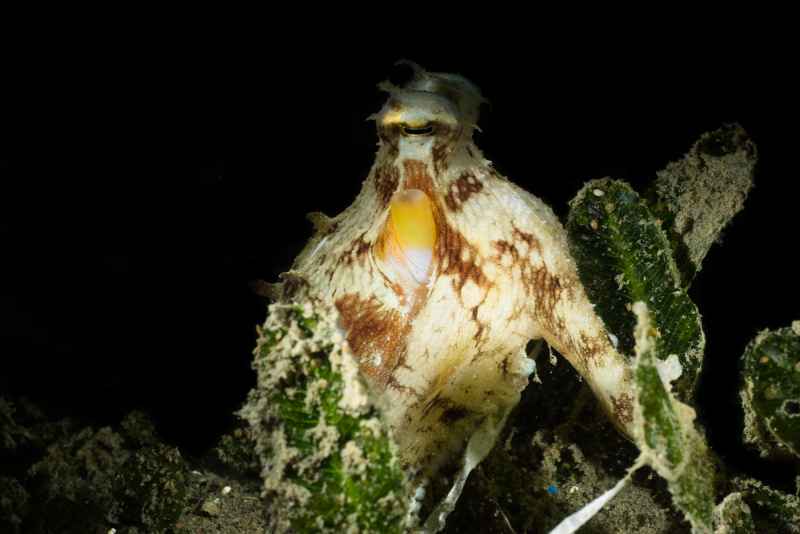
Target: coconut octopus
x,y
442,271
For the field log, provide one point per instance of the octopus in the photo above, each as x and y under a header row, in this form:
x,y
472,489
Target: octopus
x,y
442,271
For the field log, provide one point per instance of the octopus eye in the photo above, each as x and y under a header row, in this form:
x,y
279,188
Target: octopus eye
x,y
426,129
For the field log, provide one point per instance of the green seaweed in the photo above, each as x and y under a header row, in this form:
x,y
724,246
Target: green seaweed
x,y
331,465
666,435
771,391
623,256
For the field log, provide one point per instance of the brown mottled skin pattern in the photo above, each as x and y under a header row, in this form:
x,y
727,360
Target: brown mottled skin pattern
x,y
446,357
623,407
386,179
461,190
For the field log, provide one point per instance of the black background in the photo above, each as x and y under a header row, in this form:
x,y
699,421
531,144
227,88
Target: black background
x,y
145,188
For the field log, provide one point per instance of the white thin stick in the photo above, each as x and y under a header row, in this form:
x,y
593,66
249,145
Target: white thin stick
x,y
575,521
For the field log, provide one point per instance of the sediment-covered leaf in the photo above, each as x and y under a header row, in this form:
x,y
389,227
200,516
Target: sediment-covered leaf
x,y
771,391
624,256
328,464
666,435
698,196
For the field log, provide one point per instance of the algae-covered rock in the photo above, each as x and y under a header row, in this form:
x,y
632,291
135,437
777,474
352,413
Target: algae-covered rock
x,y
60,477
150,487
13,505
237,451
328,464
623,256
107,477
24,429
698,196
138,430
12,434
75,479
771,391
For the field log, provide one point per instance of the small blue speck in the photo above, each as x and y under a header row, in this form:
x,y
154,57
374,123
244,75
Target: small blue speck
x,y
552,490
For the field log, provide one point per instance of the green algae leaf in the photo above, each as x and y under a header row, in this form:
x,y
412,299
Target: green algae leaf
x,y
624,256
772,510
698,196
665,433
771,391
328,465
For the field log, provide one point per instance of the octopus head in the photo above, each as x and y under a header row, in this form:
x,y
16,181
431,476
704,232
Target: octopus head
x,y
425,130
430,116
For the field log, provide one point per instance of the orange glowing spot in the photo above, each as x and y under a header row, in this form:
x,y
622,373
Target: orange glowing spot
x,y
408,238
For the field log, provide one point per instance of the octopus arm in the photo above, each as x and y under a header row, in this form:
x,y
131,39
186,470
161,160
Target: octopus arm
x,y
564,316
